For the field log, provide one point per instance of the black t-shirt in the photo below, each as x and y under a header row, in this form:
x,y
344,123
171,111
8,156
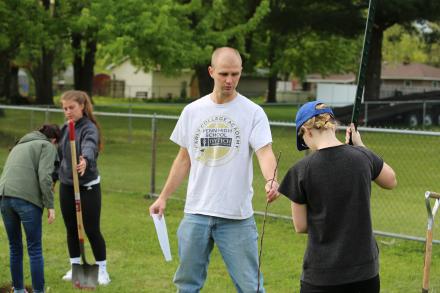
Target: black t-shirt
x,y
335,184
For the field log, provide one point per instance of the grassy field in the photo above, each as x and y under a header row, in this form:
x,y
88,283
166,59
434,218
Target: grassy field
x,y
135,260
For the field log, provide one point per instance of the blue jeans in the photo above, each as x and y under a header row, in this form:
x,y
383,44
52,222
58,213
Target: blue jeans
x,y
15,212
237,241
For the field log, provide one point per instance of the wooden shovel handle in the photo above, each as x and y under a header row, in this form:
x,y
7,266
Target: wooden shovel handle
x,y
427,265
78,209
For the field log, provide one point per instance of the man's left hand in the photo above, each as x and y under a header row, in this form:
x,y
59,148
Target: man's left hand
x,y
271,190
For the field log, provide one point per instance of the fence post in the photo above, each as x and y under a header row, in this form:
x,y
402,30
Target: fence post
x,y
424,115
153,156
366,114
130,126
46,115
32,120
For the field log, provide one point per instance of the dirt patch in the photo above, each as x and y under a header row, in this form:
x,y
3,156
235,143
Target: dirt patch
x,y
8,289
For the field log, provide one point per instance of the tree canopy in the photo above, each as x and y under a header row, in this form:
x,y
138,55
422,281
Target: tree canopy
x,y
288,37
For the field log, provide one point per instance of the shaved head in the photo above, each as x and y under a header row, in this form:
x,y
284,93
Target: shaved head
x,y
227,54
225,70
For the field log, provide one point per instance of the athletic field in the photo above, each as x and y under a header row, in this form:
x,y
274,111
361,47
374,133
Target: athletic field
x,y
135,260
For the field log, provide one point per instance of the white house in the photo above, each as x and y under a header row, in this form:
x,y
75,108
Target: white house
x,y
151,84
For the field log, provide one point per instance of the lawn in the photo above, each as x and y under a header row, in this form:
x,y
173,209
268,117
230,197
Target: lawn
x,y
135,261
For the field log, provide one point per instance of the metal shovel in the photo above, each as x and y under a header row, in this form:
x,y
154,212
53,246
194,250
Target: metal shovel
x,y
428,247
84,276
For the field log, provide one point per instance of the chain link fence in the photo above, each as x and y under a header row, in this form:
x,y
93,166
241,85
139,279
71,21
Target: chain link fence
x,y
138,154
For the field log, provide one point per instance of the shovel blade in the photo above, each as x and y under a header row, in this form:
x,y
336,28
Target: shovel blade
x,y
85,276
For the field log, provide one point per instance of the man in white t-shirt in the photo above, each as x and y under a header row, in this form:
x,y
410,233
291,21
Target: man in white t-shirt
x,y
217,135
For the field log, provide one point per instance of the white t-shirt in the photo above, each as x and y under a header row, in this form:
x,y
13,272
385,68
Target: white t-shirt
x,y
221,139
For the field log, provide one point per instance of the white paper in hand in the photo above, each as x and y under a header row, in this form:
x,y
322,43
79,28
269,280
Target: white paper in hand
x,y
162,235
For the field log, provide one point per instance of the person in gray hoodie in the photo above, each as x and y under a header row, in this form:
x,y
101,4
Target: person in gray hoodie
x,y
88,141
25,190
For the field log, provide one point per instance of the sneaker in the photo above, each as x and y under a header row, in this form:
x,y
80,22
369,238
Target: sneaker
x,y
103,277
24,290
68,276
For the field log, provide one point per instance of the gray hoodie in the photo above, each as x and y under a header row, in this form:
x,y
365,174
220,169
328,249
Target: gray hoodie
x,y
86,143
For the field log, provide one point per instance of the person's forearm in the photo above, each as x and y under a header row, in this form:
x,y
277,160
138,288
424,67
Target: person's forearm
x,y
299,217
179,170
267,162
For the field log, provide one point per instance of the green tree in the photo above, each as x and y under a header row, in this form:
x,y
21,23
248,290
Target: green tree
x,y
224,23
431,38
418,42
300,37
400,45
86,20
40,40
179,34
42,66
14,23
389,13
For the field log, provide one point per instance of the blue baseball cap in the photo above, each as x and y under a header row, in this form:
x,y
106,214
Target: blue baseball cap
x,y
306,112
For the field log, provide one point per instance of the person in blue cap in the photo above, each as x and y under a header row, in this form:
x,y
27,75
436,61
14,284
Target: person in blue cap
x,y
330,191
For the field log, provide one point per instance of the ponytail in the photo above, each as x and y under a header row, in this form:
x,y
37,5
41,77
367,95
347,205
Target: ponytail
x,y
83,98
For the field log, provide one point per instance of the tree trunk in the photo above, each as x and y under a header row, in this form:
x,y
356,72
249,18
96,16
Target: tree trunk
x,y
4,75
4,65
374,66
42,75
206,84
9,80
273,77
272,88
14,93
83,67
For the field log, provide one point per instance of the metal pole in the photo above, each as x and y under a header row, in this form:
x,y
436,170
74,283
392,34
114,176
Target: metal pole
x,y
32,120
363,64
366,113
153,155
130,124
46,115
424,115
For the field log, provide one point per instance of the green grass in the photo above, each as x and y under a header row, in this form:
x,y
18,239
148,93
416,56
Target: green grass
x,y
137,265
135,261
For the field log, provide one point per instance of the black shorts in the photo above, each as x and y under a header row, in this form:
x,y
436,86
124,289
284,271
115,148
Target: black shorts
x,y
367,286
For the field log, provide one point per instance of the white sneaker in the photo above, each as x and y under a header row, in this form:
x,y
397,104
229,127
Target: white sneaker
x,y
68,276
103,277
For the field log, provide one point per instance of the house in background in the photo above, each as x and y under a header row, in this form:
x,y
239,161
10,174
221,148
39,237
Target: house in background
x,y
407,78
253,84
312,80
101,84
129,81
396,79
336,90
136,82
23,83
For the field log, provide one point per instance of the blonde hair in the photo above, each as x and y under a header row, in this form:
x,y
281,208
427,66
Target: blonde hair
x,y
83,98
322,121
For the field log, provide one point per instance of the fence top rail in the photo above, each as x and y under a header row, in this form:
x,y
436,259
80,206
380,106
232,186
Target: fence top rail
x,y
369,129
98,113
175,117
402,102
